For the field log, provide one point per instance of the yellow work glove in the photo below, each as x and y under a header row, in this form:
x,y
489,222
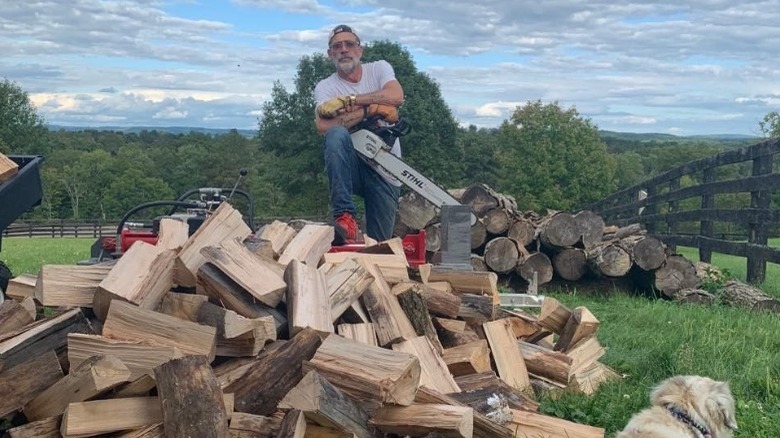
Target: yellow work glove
x,y
388,112
331,108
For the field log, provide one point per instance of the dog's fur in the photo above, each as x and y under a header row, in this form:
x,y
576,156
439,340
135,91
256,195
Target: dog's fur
x,y
704,400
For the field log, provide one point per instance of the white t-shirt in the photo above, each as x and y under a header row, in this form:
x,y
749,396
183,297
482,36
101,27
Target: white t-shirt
x,y
375,76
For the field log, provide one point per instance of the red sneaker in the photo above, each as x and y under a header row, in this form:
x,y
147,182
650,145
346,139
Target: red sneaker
x,y
346,229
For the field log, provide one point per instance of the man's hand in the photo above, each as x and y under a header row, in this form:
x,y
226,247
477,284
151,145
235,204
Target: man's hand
x,y
388,112
333,107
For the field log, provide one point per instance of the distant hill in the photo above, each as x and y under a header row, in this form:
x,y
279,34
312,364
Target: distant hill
x,y
168,129
659,137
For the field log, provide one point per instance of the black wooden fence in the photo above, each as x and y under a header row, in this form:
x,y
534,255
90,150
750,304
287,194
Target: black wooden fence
x,y
59,229
698,204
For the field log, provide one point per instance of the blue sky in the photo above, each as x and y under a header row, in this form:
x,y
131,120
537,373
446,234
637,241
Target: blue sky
x,y
685,68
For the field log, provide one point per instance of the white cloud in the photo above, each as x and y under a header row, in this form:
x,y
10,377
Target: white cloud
x,y
697,67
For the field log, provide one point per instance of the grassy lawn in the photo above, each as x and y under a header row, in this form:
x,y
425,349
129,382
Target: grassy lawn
x,y
646,341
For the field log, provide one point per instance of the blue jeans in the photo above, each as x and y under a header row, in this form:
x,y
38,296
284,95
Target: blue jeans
x,y
348,175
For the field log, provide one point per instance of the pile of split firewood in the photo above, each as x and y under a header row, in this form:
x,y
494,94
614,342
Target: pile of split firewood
x,y
275,336
577,249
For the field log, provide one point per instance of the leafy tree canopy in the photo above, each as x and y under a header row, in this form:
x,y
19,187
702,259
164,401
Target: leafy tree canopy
x,y
21,128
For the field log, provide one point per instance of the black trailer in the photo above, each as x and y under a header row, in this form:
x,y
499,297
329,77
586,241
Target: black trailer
x,y
18,195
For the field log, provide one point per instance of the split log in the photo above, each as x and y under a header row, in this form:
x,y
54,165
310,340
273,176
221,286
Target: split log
x,y
476,389
537,262
126,321
191,399
98,417
424,419
553,315
140,357
736,293
477,309
588,380
394,267
546,364
438,302
182,305
501,254
610,260
141,277
558,230
390,321
87,380
484,427
41,336
262,278
506,354
571,264
69,285
364,333
647,252
26,380
236,335
21,287
173,234
434,373
250,425
308,304
453,332
535,424
416,310
140,387
582,324
368,373
8,168
470,358
13,316
464,282
152,431
293,425
278,234
309,245
590,226
522,231
225,223
266,380
584,354
222,290
346,282
46,428
326,405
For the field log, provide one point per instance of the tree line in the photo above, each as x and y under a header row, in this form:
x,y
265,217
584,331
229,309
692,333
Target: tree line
x,y
547,156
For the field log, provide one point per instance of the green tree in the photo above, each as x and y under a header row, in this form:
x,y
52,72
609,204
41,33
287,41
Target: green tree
x,y
431,148
770,125
553,159
133,187
21,128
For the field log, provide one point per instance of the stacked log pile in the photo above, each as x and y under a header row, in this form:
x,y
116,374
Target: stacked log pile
x,y
274,336
559,245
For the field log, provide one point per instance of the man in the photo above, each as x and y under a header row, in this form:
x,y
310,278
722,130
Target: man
x,y
355,92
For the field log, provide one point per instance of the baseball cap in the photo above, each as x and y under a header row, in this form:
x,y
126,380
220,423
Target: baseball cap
x,y
342,28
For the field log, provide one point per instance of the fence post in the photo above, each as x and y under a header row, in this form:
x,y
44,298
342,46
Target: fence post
x,y
707,203
674,206
758,232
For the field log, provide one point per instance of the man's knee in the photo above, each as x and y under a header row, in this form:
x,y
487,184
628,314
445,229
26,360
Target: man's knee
x,y
337,142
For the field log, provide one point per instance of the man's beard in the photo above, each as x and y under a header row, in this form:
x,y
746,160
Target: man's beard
x,y
346,65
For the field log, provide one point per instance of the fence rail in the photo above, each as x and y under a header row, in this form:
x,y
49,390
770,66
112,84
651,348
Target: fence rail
x,y
663,206
58,229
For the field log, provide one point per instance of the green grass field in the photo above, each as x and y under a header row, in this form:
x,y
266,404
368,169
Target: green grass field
x,y
646,341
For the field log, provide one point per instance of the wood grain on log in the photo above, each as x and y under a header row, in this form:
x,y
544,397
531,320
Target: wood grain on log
x,y
501,254
570,263
740,294
537,262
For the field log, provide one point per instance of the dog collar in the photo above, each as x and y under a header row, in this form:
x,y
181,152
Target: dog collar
x,y
685,418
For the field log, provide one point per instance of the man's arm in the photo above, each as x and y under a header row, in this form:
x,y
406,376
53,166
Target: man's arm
x,y
390,94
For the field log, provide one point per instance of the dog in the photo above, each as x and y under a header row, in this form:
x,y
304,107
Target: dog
x,y
685,406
